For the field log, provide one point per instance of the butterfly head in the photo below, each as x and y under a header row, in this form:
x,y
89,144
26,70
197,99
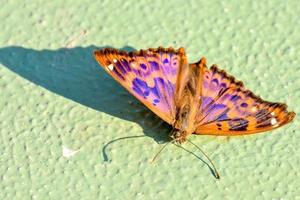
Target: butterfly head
x,y
179,136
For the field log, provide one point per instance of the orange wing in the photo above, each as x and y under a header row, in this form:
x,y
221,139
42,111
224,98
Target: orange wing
x,y
227,108
150,75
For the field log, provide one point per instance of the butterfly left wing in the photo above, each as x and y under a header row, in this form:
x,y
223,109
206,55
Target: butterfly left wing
x,y
227,108
150,75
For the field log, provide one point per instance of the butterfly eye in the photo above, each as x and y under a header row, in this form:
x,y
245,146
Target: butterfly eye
x,y
175,134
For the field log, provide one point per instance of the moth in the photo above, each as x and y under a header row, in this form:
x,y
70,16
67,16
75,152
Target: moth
x,y
192,98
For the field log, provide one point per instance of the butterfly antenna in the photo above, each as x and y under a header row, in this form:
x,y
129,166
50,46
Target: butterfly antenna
x,y
115,140
216,173
161,149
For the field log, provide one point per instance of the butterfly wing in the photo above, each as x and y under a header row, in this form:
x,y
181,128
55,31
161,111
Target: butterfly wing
x,y
150,75
227,108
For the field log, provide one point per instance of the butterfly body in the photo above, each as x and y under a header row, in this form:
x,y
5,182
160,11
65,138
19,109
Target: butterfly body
x,y
192,98
187,101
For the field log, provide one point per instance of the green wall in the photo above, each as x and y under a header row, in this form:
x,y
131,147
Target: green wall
x,y
55,97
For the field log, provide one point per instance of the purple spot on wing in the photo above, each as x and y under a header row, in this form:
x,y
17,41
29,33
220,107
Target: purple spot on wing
x,y
143,66
120,67
225,97
146,93
165,61
222,117
217,107
223,85
156,88
137,90
165,91
126,65
162,92
244,105
215,81
214,111
155,100
141,73
171,88
140,87
235,98
154,65
139,82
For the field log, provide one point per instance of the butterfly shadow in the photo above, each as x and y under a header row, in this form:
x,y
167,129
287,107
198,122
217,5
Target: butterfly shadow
x,y
74,74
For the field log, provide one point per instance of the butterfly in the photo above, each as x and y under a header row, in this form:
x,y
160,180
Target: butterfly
x,y
192,98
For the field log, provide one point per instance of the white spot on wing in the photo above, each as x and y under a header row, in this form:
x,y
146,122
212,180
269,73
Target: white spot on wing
x,y
254,109
114,60
67,153
273,121
110,67
133,65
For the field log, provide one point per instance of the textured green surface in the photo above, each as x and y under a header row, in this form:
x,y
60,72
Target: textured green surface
x,y
53,97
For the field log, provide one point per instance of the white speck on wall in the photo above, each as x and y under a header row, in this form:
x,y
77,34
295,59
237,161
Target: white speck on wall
x,y
67,153
110,67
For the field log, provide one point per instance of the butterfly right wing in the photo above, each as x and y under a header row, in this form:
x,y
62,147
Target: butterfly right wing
x,y
150,75
227,108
